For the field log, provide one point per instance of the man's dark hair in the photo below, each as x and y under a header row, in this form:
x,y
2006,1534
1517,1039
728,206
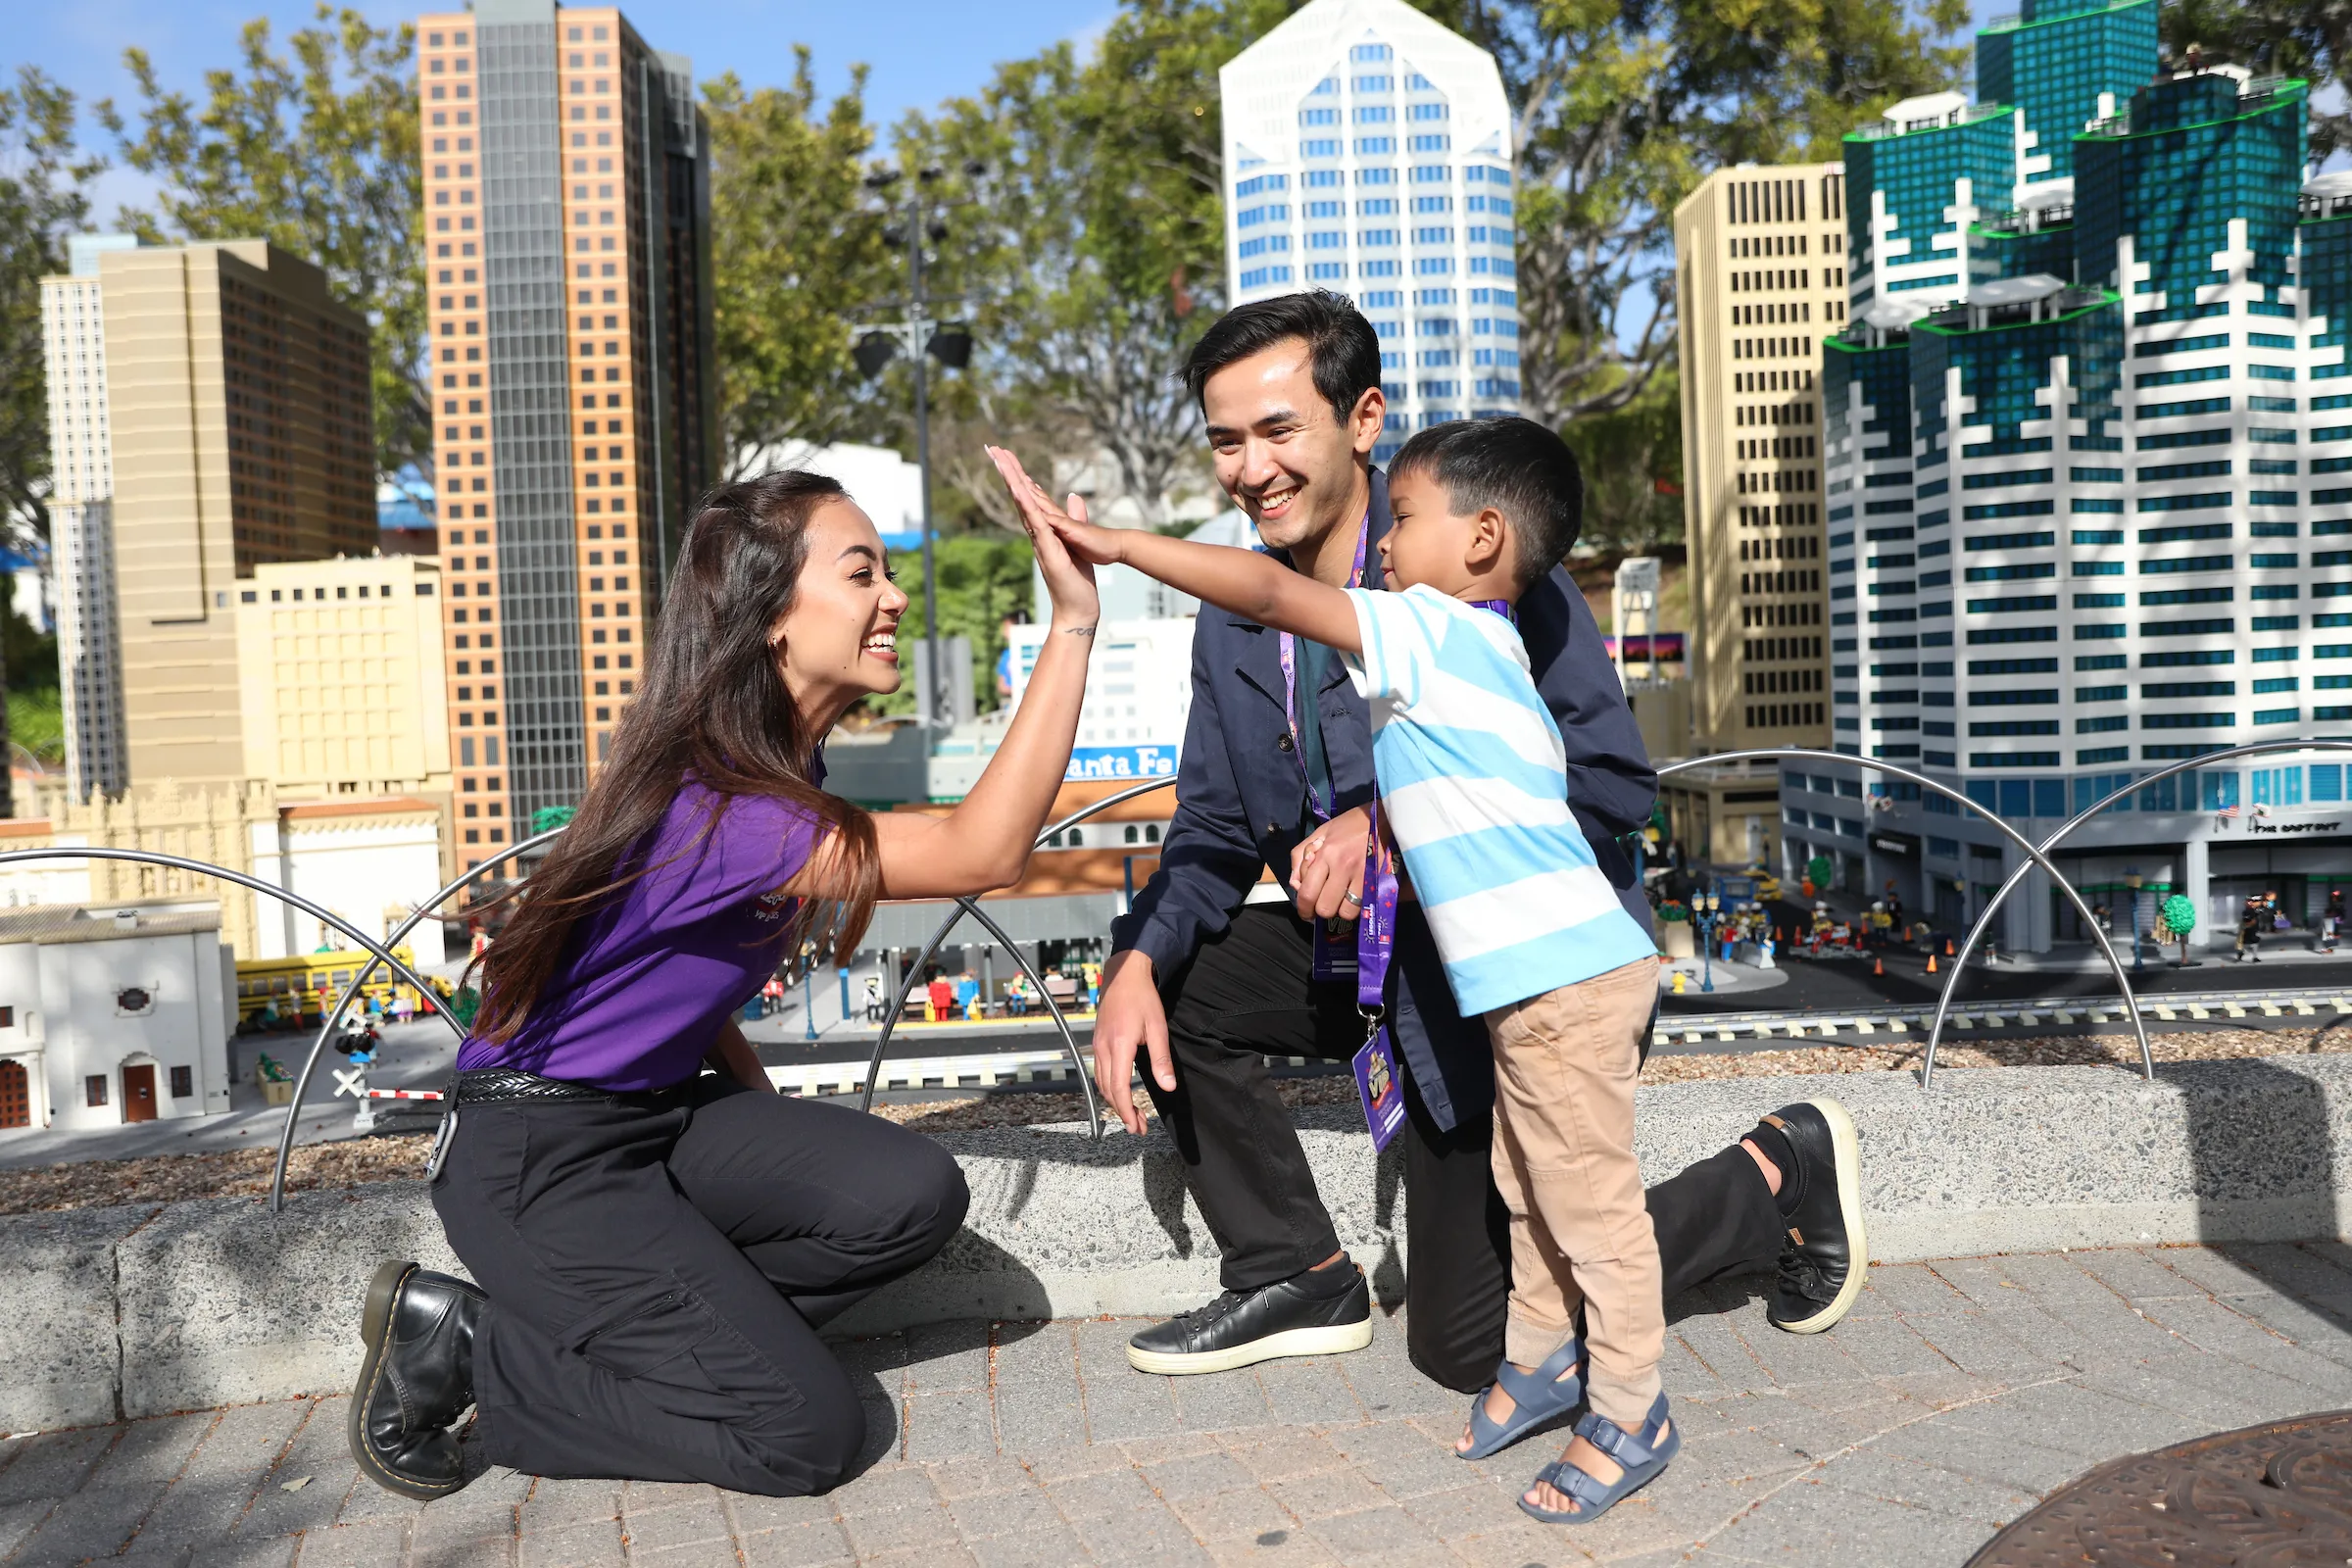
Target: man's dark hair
x,y
1517,466
1341,345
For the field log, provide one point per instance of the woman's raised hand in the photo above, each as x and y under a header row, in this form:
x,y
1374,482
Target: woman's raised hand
x,y
1069,573
1078,538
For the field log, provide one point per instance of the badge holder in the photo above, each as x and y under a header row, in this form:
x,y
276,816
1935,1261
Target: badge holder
x,y
443,1137
1379,1082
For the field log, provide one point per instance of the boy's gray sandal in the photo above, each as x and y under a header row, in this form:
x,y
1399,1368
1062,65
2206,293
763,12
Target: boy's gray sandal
x,y
1641,1459
1538,1398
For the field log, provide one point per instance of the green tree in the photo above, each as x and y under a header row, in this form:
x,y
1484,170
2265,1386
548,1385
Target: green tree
x,y
793,250
1631,458
1094,251
315,149
43,200
983,577
2307,38
1620,110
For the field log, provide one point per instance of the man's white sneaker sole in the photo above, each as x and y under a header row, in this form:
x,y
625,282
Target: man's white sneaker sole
x,y
1336,1339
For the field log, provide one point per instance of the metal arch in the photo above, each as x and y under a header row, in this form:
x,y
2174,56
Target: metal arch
x,y
2034,856
2009,884
310,1064
966,905
382,954
84,852
1085,1080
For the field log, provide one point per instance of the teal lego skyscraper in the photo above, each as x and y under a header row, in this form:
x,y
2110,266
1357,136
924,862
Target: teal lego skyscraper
x,y
2062,65
2089,506
2191,192
1916,181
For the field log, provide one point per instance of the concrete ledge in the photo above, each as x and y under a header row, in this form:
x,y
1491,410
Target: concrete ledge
x,y
58,1289
137,1311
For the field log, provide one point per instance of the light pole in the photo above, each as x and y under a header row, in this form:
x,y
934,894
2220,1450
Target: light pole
x,y
922,339
1703,907
2131,881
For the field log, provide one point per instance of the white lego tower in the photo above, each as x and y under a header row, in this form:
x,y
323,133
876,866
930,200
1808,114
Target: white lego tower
x,y
1368,152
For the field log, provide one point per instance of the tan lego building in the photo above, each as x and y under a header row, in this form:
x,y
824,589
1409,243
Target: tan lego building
x,y
342,678
1760,271
233,398
574,397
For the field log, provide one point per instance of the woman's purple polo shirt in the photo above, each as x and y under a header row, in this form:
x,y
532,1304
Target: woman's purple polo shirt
x,y
644,982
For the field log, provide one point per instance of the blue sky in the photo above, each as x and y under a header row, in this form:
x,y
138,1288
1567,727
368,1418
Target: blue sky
x,y
920,51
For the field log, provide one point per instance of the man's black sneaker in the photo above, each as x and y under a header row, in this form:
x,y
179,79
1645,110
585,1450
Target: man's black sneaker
x,y
1297,1316
1827,1256
415,1380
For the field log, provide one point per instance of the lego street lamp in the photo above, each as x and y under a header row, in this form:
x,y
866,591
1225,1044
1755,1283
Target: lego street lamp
x,y
922,339
2132,880
1706,906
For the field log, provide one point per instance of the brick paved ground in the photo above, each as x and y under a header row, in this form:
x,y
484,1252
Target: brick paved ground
x,y
1955,1394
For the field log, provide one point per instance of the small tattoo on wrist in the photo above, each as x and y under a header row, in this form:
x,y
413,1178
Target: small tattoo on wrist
x,y
1080,631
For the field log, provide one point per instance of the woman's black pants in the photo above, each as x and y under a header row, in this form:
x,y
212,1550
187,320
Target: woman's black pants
x,y
658,1266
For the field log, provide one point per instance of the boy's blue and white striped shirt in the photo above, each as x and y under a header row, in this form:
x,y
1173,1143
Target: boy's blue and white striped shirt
x,y
1474,786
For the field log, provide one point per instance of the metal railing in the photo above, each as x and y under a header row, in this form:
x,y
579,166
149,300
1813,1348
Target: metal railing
x,y
310,1064
2026,847
971,906
380,954
1967,943
2034,857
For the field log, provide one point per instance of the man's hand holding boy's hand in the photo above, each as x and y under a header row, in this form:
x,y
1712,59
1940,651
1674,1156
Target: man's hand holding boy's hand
x,y
1327,867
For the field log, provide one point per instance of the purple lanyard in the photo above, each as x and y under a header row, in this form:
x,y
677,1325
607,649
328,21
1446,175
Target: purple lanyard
x,y
1327,964
1375,921
1323,810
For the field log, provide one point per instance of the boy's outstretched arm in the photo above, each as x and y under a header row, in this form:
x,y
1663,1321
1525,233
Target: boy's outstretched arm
x,y
1240,581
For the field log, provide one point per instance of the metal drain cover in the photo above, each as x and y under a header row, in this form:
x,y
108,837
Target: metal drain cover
x,y
2269,1497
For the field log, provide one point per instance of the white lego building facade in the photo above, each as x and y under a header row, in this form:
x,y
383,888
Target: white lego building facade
x,y
1139,695
114,1013
371,863
1368,152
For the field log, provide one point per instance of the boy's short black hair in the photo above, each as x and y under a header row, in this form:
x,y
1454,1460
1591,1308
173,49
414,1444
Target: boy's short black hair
x,y
1517,466
1341,347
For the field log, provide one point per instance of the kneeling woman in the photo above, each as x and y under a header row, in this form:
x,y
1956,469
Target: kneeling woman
x,y
655,1247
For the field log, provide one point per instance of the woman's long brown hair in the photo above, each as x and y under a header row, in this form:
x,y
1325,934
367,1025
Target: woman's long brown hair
x,y
713,704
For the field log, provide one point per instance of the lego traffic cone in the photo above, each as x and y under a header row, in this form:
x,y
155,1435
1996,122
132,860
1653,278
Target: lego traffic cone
x,y
1931,963
1878,966
1947,946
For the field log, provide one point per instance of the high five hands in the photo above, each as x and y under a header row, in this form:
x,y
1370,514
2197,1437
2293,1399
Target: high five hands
x,y
1069,578
1066,525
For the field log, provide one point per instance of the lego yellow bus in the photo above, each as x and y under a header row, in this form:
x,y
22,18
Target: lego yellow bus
x,y
275,993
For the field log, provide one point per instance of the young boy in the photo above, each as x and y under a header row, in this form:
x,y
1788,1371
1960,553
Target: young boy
x,y
1474,792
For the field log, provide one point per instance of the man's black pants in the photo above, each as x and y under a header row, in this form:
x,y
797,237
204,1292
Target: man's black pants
x,y
1249,994
658,1266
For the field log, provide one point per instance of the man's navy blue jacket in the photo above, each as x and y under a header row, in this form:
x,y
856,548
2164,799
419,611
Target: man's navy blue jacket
x,y
1241,803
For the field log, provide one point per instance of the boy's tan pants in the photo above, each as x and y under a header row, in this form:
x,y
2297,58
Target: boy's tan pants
x,y
1564,1069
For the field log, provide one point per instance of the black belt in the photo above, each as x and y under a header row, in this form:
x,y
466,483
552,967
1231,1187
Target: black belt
x,y
496,1086
511,1086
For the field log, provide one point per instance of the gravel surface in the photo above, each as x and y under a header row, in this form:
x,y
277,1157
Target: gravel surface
x,y
227,1173
245,1172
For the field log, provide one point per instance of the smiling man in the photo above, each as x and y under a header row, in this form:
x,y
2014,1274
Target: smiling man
x,y
1214,969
